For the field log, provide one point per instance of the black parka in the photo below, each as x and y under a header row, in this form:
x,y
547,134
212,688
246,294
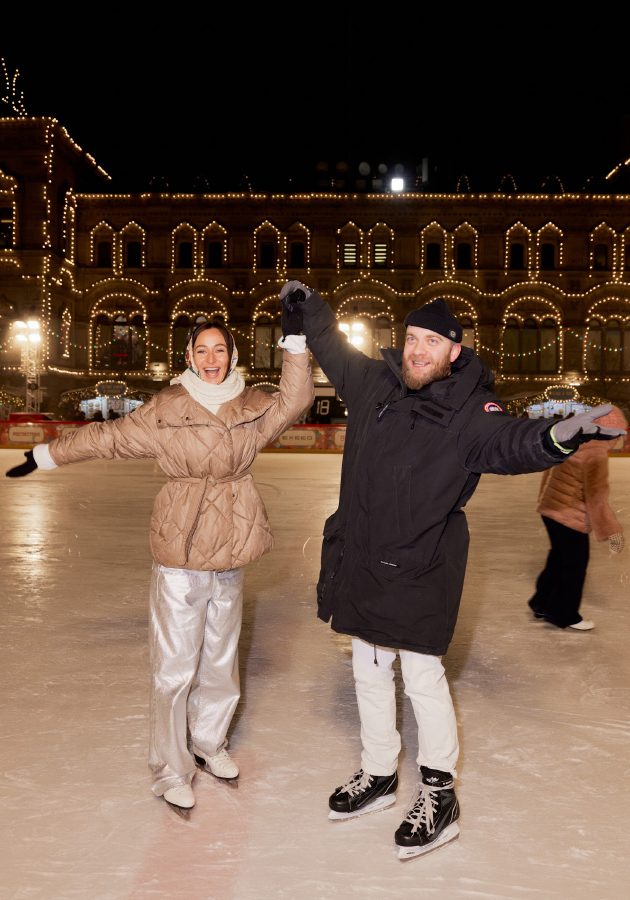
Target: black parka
x,y
394,553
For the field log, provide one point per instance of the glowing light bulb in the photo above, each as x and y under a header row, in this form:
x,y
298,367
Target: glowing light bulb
x,y
357,340
19,325
358,326
398,184
20,337
34,337
343,326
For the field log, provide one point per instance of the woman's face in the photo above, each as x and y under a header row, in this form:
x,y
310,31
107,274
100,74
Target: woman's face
x,y
211,356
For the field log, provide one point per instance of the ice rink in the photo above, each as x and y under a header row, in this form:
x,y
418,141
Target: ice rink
x,y
543,713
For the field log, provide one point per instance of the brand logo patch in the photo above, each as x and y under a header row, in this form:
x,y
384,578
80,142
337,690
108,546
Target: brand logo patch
x,y
492,407
452,334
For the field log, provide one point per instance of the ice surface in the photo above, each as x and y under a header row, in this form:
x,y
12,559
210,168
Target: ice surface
x,y
543,713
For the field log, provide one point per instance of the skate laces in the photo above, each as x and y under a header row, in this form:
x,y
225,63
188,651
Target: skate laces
x,y
356,783
421,813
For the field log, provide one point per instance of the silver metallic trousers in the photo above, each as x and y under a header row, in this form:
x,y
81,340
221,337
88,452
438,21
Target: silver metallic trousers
x,y
194,627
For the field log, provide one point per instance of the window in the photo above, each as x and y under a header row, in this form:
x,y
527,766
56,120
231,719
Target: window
x,y
464,255
267,255
6,227
607,347
181,336
530,347
349,254
517,256
104,255
594,345
434,256
380,255
297,255
547,256
627,257
468,331
134,254
185,255
215,255
612,356
382,334
267,354
600,256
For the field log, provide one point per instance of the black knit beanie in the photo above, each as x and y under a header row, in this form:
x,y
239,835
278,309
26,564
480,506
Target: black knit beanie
x,y
436,316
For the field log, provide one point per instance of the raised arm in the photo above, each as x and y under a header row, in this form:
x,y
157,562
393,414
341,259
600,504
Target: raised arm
x,y
296,393
345,367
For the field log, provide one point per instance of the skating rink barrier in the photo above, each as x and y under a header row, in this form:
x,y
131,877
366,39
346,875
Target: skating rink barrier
x,y
318,438
298,438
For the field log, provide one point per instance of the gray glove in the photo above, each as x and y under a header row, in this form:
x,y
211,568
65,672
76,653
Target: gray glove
x,y
570,433
292,286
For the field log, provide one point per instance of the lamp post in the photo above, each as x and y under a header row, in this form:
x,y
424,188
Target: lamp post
x,y
28,336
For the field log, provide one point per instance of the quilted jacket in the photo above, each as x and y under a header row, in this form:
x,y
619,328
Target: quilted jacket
x,y
209,515
576,492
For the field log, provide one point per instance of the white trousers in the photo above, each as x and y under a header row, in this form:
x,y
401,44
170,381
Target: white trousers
x,y
427,688
194,627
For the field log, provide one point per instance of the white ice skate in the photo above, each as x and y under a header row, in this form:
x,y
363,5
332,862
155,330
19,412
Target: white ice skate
x,y
181,799
584,625
222,766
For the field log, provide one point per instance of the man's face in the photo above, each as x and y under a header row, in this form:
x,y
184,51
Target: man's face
x,y
427,357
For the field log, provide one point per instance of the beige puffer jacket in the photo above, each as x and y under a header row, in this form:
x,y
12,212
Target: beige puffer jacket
x,y
576,492
209,516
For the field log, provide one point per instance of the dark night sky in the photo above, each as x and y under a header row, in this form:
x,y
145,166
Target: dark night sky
x,y
269,92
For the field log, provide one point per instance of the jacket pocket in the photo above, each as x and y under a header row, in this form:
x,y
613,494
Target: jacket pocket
x,y
400,564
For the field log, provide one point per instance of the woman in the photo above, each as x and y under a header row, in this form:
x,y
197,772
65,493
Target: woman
x,y
205,431
573,501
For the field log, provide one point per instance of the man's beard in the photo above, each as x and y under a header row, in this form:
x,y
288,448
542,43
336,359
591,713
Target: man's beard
x,y
435,372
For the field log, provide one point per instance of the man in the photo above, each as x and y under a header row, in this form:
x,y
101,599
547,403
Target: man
x,y
422,427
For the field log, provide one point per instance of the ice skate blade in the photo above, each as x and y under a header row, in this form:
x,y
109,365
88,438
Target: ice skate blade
x,y
180,811
231,782
375,806
449,834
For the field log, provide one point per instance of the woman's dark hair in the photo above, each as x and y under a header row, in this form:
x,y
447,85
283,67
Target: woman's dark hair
x,y
227,336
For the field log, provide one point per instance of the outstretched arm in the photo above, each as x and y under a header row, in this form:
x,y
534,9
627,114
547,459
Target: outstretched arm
x,y
345,366
495,442
126,438
296,391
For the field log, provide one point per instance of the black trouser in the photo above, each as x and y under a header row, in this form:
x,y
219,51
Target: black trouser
x,y
559,585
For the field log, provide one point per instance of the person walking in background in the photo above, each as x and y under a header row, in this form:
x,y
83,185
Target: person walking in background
x,y
573,501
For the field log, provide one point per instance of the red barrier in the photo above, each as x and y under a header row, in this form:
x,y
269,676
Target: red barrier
x,y
25,435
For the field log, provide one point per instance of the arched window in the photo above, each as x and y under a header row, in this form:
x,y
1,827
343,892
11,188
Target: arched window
x,y
6,227
594,346
185,255
104,255
612,355
600,257
103,342
547,256
128,343
267,333
350,255
517,256
468,332
464,255
181,336
434,256
368,334
215,255
530,346
297,255
134,254
267,259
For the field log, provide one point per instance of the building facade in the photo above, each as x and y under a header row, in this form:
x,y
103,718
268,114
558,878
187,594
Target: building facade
x,y
540,283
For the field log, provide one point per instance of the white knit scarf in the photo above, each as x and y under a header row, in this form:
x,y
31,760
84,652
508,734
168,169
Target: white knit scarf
x,y
211,396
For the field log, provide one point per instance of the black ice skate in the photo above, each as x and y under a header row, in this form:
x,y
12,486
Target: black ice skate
x,y
362,794
432,820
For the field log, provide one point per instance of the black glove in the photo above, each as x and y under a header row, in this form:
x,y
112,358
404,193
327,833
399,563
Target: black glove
x,y
25,469
291,296
568,434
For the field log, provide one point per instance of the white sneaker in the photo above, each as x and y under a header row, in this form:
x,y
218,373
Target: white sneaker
x,y
222,765
181,795
584,625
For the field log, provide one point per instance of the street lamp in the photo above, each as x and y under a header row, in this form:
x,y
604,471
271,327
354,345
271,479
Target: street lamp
x,y
28,336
